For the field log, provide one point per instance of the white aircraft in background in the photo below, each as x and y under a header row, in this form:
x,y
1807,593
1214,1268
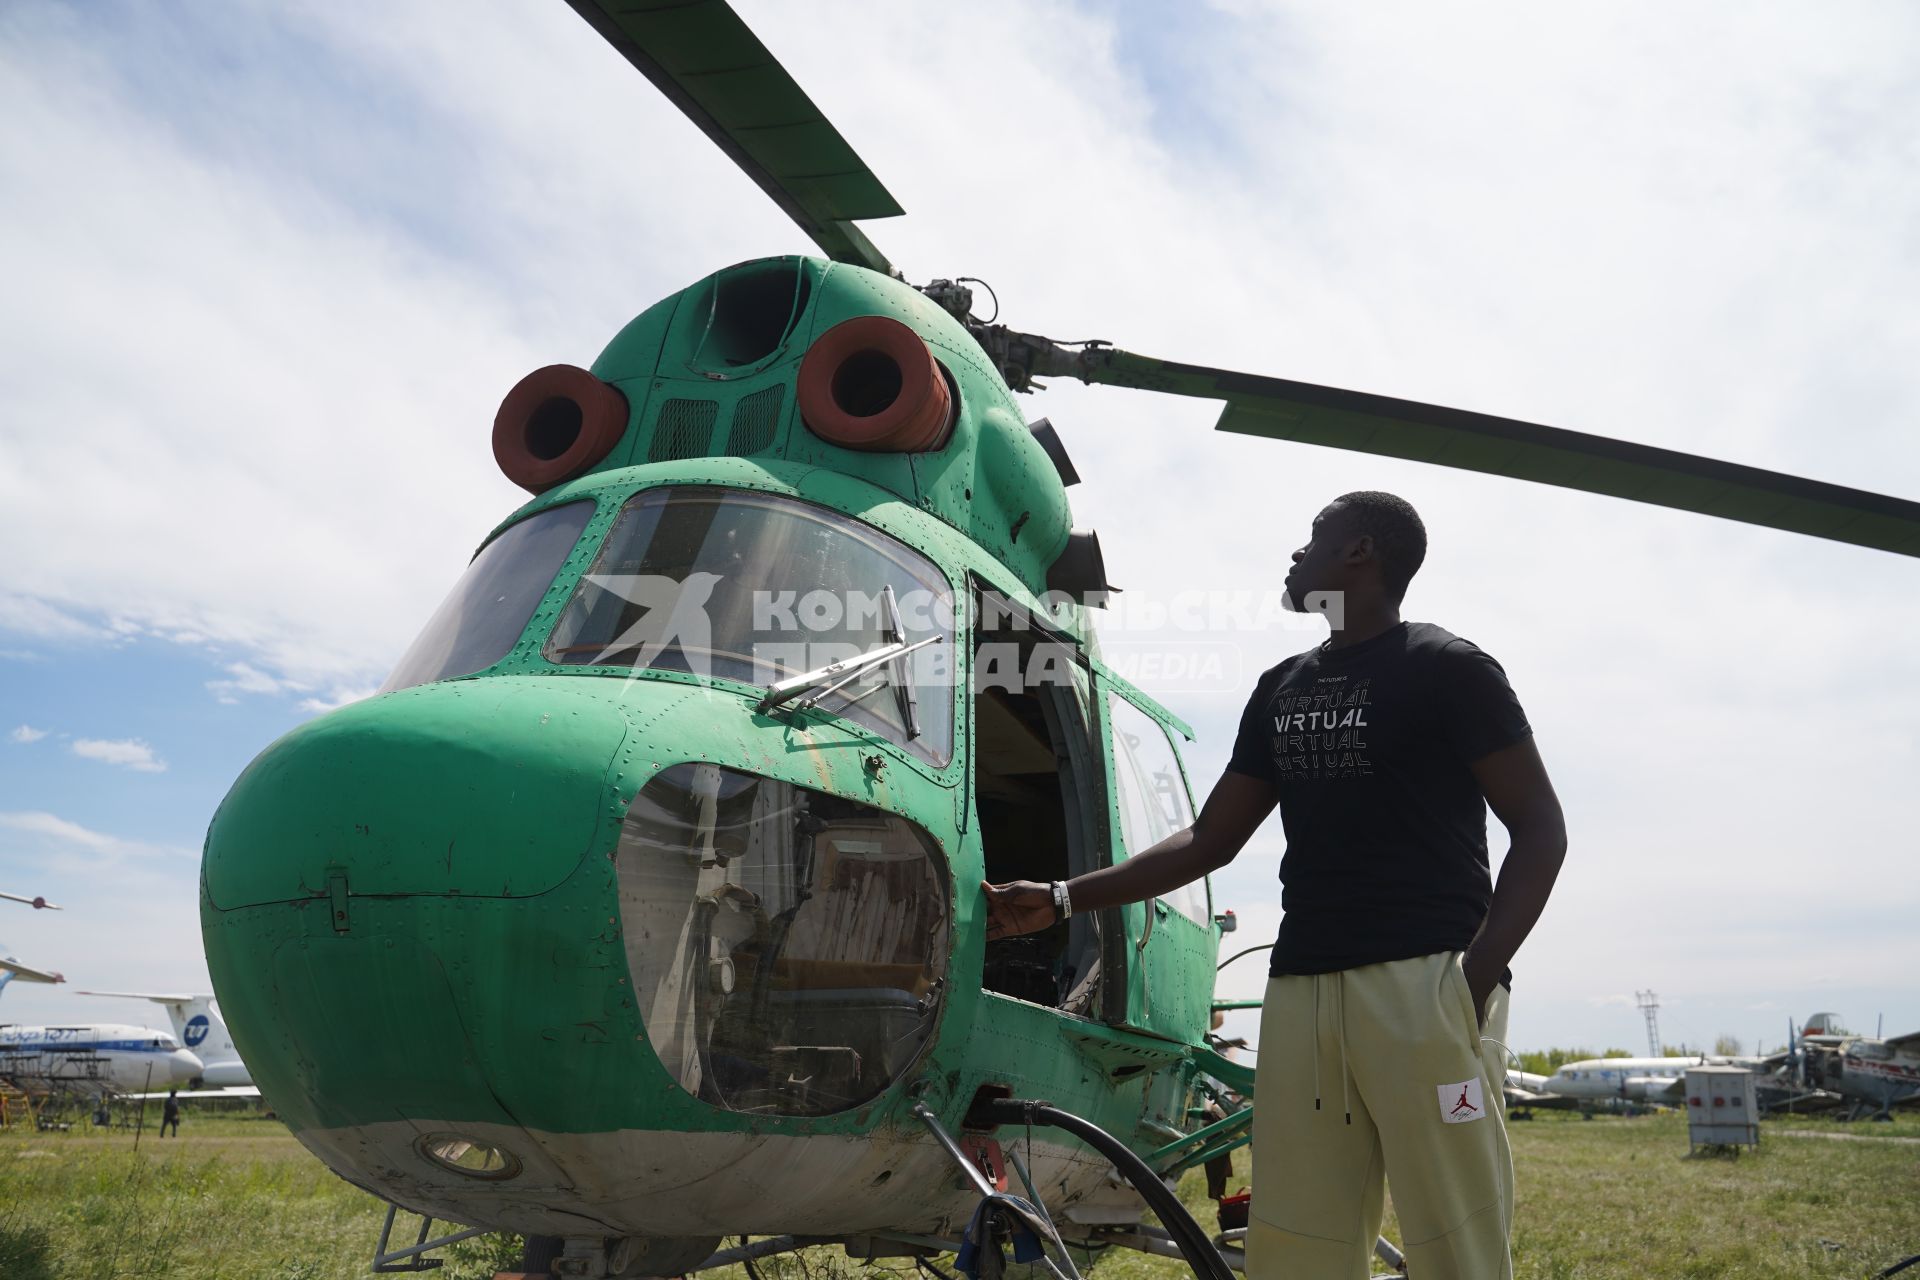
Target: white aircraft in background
x,y
1634,1079
197,1021
95,1058
104,1057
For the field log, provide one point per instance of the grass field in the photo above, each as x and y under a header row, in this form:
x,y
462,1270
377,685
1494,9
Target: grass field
x,y
1608,1199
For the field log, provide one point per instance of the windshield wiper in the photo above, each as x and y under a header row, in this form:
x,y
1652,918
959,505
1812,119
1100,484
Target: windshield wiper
x,y
897,672
834,675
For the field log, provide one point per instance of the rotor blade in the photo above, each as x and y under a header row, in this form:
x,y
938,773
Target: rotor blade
x,y
1283,410
711,66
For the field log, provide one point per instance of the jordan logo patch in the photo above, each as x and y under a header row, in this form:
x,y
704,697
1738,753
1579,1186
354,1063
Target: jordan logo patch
x,y
1462,1102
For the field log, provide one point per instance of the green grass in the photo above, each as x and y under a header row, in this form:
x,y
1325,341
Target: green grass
x,y
1607,1199
1620,1198
232,1197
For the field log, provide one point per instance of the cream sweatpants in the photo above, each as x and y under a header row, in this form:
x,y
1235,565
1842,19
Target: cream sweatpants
x,y
1373,1075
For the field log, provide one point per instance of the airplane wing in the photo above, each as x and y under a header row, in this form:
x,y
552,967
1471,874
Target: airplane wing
x,y
1655,1088
137,995
37,903
1518,1097
1908,1043
237,1091
24,974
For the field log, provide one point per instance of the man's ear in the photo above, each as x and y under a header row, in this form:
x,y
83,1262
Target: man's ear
x,y
1359,551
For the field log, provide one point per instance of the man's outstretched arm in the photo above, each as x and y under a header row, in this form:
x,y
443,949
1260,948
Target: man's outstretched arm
x,y
1514,781
1235,810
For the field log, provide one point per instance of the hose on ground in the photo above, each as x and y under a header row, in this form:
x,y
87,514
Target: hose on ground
x,y
1194,1245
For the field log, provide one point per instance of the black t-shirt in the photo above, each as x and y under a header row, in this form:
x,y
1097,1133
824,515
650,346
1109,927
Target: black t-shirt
x,y
1368,749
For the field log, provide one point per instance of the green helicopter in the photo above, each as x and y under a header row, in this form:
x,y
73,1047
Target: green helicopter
x,y
640,908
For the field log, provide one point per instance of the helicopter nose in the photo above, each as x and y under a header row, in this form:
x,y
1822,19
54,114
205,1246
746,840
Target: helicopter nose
x,y
477,789
406,903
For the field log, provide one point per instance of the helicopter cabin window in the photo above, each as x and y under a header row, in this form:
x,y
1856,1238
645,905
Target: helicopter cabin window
x,y
1032,769
787,947
482,618
1151,792
755,587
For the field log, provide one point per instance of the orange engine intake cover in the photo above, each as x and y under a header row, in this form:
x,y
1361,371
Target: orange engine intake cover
x,y
871,383
555,424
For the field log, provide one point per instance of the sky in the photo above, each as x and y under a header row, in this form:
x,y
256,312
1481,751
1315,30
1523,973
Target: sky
x,y
270,269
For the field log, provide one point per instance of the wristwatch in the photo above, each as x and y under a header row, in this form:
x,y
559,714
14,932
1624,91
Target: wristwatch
x,y
1062,901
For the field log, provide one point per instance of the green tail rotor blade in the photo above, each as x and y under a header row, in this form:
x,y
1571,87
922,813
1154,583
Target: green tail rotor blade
x,y
711,66
1283,410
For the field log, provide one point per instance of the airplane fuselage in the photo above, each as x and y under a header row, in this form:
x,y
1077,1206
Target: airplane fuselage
x,y
1871,1071
98,1058
1635,1079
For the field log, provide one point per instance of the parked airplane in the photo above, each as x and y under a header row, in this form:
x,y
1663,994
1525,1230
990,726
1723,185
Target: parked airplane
x,y
1634,1079
95,1058
197,1021
1872,1073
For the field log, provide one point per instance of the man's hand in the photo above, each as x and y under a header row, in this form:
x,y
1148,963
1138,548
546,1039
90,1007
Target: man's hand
x,y
1481,980
1017,907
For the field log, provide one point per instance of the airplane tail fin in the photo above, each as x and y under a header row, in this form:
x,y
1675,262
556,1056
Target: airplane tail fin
x,y
203,1030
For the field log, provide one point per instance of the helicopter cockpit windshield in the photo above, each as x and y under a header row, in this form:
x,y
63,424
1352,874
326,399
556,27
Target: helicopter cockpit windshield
x,y
756,587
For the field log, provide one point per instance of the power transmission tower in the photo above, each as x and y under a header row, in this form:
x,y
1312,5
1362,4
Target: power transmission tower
x,y
1650,1006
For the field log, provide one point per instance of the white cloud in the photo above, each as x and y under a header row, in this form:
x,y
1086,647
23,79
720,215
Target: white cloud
x,y
244,678
50,832
29,616
130,753
58,829
27,733
339,439
337,698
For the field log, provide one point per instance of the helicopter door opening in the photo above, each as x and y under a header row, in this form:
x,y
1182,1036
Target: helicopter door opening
x,y
1032,762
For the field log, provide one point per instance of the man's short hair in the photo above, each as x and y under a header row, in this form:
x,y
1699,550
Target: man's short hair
x,y
1399,538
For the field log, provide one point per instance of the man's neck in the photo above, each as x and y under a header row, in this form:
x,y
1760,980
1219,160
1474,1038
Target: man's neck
x,y
1364,621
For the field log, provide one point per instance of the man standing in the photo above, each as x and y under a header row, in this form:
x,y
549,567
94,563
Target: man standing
x,y
170,1115
1383,746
